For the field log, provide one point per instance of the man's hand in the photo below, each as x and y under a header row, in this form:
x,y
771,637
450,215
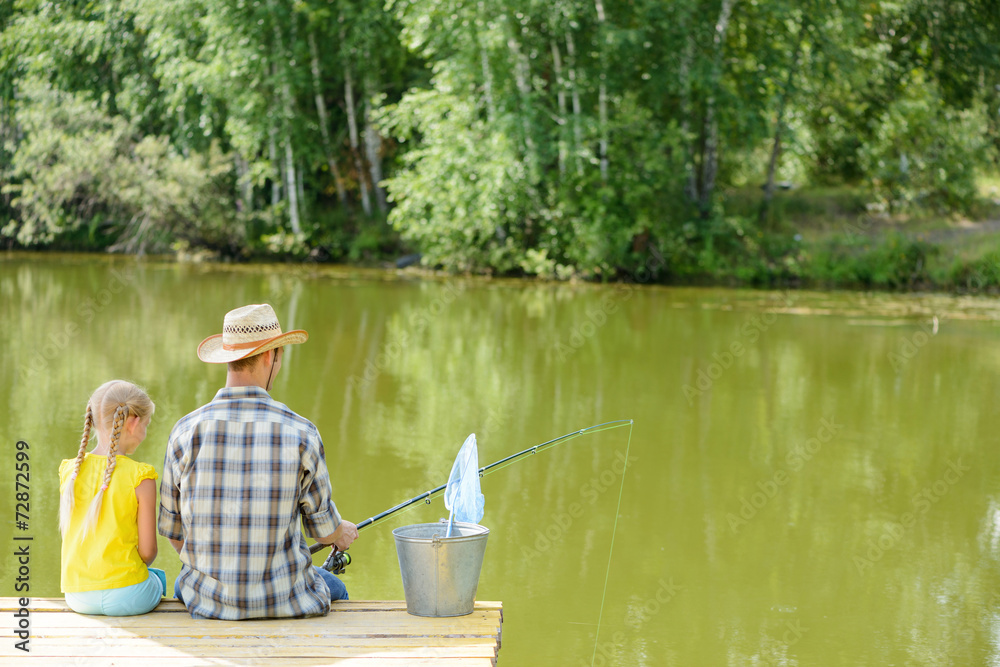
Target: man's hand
x,y
343,537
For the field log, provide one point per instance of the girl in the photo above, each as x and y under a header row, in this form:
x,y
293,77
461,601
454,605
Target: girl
x,y
107,510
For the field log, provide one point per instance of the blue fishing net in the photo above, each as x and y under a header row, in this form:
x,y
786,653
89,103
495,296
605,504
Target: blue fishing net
x,y
462,494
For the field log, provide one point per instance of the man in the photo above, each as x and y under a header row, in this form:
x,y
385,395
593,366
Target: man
x,y
238,475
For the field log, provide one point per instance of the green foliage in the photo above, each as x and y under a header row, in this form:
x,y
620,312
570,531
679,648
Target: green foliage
x,y
80,168
565,139
978,274
895,262
912,162
800,207
462,193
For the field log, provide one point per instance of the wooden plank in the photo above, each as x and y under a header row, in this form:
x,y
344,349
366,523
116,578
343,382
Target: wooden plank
x,y
172,605
359,639
188,661
385,625
143,648
364,632
397,621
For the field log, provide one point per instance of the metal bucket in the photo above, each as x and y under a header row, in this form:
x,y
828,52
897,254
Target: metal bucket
x,y
440,574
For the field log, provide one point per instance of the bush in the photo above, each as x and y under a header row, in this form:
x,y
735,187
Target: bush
x,y
80,169
895,262
911,162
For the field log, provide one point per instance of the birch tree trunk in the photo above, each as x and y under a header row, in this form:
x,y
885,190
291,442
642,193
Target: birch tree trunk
x,y
243,180
352,127
575,95
522,75
561,98
779,124
691,184
301,189
602,93
324,126
491,109
290,187
185,148
484,61
289,110
373,149
710,160
272,154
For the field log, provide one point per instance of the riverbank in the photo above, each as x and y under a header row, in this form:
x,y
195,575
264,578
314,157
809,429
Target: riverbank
x,y
813,238
836,238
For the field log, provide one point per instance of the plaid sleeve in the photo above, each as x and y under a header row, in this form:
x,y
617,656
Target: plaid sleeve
x,y
169,522
319,515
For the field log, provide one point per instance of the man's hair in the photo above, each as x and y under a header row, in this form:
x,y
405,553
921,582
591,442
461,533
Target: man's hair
x,y
245,364
249,363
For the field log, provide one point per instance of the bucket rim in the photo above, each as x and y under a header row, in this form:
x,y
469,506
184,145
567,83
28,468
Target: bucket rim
x,y
479,531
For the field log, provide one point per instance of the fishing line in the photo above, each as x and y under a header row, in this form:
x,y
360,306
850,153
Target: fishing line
x,y
428,496
338,566
614,529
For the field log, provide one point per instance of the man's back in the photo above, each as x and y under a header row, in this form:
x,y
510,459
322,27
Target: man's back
x,y
238,475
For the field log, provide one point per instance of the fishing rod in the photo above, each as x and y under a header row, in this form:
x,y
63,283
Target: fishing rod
x,y
338,560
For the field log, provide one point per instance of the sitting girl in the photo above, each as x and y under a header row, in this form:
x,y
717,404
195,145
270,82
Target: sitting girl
x,y
107,510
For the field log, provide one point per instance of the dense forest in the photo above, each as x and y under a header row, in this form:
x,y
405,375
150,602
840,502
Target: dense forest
x,y
599,139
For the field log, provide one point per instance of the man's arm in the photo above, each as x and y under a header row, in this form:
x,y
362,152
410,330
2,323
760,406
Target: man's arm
x,y
169,524
320,517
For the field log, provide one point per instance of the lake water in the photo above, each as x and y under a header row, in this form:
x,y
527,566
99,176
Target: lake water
x,y
813,478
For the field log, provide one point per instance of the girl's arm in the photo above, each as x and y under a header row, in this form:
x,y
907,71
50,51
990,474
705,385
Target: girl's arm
x,y
145,493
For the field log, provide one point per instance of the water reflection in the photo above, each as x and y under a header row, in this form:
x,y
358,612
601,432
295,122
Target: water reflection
x,y
794,495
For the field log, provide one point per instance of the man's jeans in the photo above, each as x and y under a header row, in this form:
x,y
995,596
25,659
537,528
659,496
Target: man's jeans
x,y
338,590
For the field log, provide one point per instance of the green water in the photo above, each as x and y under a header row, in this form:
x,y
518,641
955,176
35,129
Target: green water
x,y
814,478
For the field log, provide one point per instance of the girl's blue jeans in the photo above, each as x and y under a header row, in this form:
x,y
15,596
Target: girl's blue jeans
x,y
125,601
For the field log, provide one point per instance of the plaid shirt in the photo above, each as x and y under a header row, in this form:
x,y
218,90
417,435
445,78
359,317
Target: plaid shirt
x,y
237,476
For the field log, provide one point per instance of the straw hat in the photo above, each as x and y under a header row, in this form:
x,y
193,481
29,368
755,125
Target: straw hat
x,y
247,331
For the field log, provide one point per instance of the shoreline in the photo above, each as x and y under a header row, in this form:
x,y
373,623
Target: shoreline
x,y
982,273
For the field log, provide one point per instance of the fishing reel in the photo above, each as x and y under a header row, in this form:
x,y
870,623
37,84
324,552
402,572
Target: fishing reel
x,y
337,561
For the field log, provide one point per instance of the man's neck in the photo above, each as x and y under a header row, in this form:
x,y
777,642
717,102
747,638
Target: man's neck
x,y
245,380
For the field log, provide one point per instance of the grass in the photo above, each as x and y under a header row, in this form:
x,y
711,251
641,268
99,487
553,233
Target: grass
x,y
841,240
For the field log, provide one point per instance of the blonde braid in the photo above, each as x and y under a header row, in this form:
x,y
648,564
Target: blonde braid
x,y
68,496
117,424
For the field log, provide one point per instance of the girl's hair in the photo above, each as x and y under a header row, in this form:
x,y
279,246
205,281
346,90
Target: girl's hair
x,y
108,408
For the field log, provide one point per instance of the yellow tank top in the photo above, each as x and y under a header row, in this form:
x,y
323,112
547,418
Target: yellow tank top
x,y
108,556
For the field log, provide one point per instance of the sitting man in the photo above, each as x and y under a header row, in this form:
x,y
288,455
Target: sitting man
x,y
238,475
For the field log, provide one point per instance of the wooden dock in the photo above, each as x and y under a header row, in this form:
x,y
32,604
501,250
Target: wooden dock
x,y
354,633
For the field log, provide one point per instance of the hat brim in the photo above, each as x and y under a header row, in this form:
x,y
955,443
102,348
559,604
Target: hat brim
x,y
211,350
